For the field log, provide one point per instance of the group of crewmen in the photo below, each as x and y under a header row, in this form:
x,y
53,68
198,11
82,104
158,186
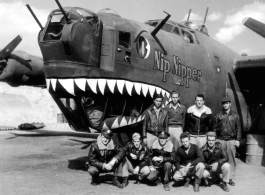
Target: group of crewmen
x,y
176,145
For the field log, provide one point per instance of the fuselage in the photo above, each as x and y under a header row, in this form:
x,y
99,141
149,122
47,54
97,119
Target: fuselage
x,y
118,63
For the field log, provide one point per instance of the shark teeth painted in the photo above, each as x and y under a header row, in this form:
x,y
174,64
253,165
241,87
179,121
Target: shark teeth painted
x,y
101,85
68,84
120,84
92,84
111,85
113,123
53,81
137,87
95,84
144,89
129,86
81,83
48,81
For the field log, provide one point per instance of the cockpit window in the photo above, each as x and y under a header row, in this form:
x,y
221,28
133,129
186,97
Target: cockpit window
x,y
152,23
125,39
167,27
187,37
176,31
57,17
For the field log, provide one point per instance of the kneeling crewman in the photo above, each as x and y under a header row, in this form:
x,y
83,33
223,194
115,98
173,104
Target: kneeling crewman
x,y
104,156
216,160
162,158
189,162
137,159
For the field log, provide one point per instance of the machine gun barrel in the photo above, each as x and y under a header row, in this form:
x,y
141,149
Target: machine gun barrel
x,y
160,25
205,15
34,16
188,15
61,8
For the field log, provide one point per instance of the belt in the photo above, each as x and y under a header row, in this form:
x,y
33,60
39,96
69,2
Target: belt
x,y
197,135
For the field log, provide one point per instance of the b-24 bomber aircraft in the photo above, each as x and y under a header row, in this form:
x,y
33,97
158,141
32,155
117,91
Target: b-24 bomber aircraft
x,y
103,70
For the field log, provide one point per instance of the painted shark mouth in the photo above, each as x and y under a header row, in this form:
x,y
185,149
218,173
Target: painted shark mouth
x,y
128,90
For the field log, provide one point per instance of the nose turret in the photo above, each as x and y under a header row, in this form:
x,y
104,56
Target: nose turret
x,y
75,39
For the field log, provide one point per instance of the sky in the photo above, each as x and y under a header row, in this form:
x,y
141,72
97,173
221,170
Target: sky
x,y
224,19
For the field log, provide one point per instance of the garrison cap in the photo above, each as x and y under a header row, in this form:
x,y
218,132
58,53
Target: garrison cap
x,y
211,134
226,99
157,96
163,135
107,133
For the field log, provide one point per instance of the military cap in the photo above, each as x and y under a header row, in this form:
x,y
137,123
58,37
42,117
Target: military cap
x,y
157,96
107,133
163,135
211,134
226,99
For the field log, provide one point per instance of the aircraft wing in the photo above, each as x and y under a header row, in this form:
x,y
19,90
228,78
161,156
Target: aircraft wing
x,y
250,70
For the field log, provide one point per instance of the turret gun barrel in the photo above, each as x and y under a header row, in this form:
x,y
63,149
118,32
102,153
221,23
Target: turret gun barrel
x,y
34,16
62,10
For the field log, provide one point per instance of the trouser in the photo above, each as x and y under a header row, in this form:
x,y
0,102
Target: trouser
x,y
231,151
117,169
196,171
199,140
224,169
164,172
150,139
175,133
128,167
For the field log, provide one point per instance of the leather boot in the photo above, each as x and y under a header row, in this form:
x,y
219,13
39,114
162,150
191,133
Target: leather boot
x,y
225,188
231,182
187,183
197,185
116,182
94,180
125,182
166,186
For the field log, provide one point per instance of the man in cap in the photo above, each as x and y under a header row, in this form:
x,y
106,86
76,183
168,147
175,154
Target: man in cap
x,y
228,130
188,162
176,119
198,121
137,159
216,160
155,121
104,156
162,158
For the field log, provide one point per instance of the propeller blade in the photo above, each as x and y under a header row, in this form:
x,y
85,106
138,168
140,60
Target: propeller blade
x,y
255,25
10,47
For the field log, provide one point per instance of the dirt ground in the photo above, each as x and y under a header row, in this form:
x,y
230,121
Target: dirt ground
x,y
35,163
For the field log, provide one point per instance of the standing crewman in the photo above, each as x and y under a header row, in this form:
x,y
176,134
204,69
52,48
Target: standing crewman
x,y
176,119
228,129
155,121
198,121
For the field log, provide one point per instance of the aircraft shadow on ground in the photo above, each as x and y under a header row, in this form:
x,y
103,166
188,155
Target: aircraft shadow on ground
x,y
80,163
